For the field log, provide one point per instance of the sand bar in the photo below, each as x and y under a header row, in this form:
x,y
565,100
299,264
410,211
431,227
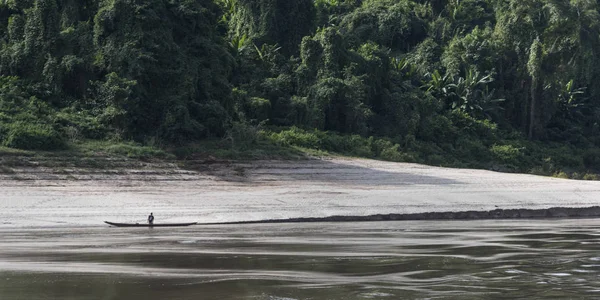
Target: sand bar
x,y
260,190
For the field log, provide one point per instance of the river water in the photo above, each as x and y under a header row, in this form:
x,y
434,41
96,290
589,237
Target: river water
x,y
536,259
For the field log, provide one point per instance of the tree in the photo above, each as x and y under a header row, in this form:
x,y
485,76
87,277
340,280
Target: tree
x,y
280,22
534,69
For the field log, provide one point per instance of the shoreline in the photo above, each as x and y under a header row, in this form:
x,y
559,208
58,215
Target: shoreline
x,y
497,214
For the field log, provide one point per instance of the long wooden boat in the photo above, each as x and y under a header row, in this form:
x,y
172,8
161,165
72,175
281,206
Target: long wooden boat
x,y
149,225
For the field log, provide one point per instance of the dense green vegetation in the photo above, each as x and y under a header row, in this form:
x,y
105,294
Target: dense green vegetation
x,y
500,84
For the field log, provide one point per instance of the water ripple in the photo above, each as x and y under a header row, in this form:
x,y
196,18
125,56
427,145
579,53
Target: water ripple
x,y
396,260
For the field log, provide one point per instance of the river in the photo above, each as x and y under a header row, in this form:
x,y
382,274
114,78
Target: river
x,y
526,259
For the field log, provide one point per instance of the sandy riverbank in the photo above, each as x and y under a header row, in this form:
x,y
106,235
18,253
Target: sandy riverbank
x,y
226,192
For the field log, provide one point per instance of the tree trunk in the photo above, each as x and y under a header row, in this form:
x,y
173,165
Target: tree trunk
x,y
532,109
534,68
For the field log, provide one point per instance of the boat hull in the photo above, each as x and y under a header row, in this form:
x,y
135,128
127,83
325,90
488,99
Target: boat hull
x,y
149,225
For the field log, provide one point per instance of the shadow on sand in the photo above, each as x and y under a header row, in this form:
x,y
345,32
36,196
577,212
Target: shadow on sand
x,y
315,170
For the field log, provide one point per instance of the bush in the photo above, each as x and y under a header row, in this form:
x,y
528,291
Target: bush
x,y
507,154
83,121
438,129
472,150
348,144
136,151
393,153
31,136
436,160
483,129
539,170
355,145
358,146
379,145
297,137
258,108
561,174
243,135
560,157
591,159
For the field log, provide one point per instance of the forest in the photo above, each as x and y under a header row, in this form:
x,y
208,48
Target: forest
x,y
507,85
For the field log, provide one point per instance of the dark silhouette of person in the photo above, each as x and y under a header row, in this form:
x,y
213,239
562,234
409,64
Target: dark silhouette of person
x,y
150,219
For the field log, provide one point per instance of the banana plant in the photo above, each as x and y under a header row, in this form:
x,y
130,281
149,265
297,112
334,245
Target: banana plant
x,y
402,66
571,101
440,86
327,2
470,94
238,44
228,7
265,51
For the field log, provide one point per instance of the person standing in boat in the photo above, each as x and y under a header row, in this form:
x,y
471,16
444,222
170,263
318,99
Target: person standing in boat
x,y
150,219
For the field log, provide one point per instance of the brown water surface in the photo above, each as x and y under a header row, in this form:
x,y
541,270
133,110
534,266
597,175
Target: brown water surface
x,y
538,259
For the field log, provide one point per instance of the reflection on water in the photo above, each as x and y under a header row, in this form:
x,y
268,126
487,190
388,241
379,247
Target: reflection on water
x,y
541,259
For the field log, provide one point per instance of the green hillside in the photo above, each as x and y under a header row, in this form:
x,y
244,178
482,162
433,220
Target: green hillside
x,y
508,85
